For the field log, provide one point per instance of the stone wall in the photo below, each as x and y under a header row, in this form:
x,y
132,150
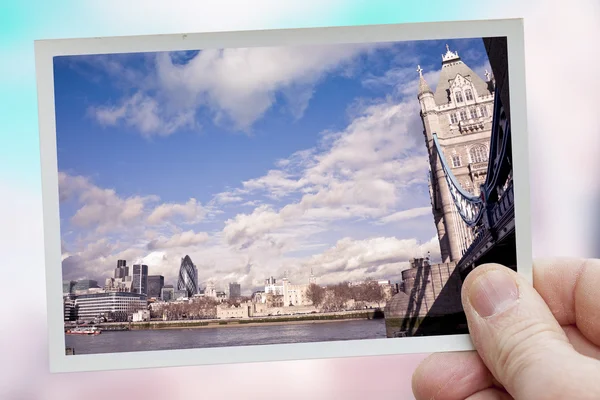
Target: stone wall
x,y
261,310
248,310
429,291
225,312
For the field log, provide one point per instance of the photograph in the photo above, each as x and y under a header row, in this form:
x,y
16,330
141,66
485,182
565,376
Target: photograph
x,y
256,196
251,196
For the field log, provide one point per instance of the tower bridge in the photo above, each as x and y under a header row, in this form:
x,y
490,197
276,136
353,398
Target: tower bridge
x,y
466,127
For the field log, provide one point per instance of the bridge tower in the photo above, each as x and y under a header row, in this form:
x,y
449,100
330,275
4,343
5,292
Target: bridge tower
x,y
460,113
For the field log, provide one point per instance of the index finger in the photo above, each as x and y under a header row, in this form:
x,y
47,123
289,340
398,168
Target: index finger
x,y
570,288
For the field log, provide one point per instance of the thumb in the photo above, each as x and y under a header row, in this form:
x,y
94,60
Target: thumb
x,y
521,342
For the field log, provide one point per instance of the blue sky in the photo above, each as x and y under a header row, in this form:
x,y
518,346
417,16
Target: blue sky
x,y
252,161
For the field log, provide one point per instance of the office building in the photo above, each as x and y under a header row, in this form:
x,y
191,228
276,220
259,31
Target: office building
x,y
188,277
111,305
69,309
85,284
117,285
167,293
68,287
235,290
180,294
122,270
140,279
155,285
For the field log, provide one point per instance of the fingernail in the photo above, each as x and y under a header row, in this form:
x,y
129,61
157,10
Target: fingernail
x,y
493,293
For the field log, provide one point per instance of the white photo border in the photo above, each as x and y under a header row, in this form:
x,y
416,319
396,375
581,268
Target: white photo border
x,y
46,50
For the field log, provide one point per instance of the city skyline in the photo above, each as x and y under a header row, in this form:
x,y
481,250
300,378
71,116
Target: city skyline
x,y
120,275
316,163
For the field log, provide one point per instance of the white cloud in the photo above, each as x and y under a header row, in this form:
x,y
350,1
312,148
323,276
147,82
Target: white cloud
x,y
277,182
101,209
406,214
192,212
183,239
228,197
244,229
146,114
234,86
95,260
377,257
363,171
240,85
402,80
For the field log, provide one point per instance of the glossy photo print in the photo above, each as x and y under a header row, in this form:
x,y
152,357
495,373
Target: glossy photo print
x,y
260,200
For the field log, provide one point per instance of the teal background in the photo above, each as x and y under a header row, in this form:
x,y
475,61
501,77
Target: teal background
x,y
562,57
22,22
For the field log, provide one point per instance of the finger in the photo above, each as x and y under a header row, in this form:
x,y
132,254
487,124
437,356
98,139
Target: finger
x,y
451,376
580,342
519,339
570,288
490,394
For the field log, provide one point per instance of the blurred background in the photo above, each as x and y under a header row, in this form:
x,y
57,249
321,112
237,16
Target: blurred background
x,y
562,57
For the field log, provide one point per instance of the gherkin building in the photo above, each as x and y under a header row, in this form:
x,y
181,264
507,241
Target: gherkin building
x,y
188,277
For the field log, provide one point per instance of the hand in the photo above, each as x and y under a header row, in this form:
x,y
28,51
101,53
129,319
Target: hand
x,y
531,344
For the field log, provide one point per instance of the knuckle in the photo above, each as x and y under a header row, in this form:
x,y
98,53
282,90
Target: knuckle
x,y
523,347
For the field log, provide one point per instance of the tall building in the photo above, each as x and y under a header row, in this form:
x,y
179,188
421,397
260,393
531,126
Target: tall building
x,y
167,293
155,285
85,284
122,270
235,290
68,287
140,279
118,285
188,277
70,312
460,114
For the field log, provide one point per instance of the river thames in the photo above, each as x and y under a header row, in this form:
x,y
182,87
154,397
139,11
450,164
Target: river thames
x,y
193,338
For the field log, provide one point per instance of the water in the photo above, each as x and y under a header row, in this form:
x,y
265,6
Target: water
x,y
190,338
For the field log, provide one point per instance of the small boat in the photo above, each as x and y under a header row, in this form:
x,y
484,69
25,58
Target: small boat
x,y
92,330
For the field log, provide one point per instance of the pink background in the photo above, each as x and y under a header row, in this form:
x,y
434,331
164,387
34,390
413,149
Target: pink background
x,y
562,56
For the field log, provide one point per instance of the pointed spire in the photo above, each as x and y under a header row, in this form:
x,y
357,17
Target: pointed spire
x,y
423,86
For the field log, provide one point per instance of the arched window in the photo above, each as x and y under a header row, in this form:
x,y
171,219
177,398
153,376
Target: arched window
x,y
453,118
459,97
478,154
469,94
456,161
473,112
484,111
463,115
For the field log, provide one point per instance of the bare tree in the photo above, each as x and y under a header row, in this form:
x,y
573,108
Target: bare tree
x,y
316,294
373,292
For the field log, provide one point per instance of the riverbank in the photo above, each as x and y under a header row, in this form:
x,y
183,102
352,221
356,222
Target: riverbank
x,y
235,337
255,321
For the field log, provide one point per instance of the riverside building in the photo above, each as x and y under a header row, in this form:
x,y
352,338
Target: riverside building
x,y
90,306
